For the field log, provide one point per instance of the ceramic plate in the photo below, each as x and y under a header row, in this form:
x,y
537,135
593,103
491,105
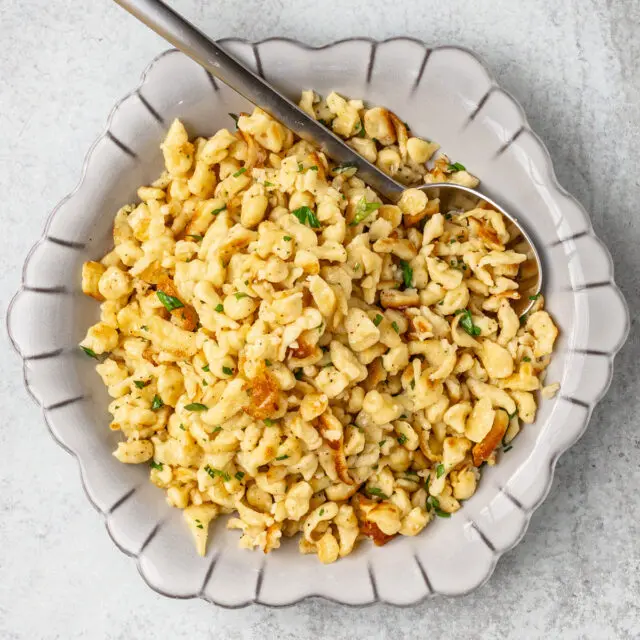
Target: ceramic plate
x,y
445,94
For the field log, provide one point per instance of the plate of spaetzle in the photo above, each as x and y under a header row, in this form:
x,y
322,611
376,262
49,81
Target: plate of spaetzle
x,y
278,385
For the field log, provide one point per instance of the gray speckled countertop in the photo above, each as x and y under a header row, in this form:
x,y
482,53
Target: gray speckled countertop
x,y
573,65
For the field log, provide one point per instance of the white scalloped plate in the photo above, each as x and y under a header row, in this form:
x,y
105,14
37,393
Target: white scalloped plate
x,y
445,94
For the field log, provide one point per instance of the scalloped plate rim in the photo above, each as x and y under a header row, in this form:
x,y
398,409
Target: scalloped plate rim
x,y
553,181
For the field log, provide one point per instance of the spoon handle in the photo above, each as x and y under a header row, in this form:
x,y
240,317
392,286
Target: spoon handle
x,y
191,41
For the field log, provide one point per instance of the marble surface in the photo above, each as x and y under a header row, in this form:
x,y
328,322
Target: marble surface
x,y
572,65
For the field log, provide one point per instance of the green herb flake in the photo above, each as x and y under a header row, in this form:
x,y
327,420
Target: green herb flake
x,y
455,167
466,322
196,237
306,216
345,166
360,131
239,172
235,118
239,295
219,308
217,472
297,374
526,359
439,471
402,439
375,491
182,427
407,273
300,167
196,406
144,328
268,422
287,238
266,183
217,429
170,302
535,297
321,512
412,384
363,210
205,383
90,352
141,384
156,403
507,449
227,371
156,465
313,168
378,319
395,326
268,363
440,513
282,457
239,475
199,526
215,212
381,442
206,368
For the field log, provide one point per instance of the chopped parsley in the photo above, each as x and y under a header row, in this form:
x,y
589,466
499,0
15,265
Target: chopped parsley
x,y
196,406
235,118
306,216
526,359
321,512
268,422
144,327
219,308
227,371
156,465
266,183
508,448
535,297
300,167
407,273
156,403
199,526
239,475
215,212
360,132
141,384
287,238
196,237
439,471
206,368
434,503
363,210
182,427
381,442
455,167
395,326
313,168
402,439
90,352
217,429
375,491
268,363
239,295
217,472
282,457
239,172
297,374
170,302
345,166
466,322
378,319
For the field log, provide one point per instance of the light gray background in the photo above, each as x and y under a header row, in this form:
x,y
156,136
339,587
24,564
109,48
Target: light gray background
x,y
573,65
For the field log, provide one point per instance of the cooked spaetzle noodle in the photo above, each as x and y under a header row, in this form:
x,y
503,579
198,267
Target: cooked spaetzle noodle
x,y
283,346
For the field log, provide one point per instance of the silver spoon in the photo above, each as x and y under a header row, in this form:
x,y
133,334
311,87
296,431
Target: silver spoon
x,y
184,36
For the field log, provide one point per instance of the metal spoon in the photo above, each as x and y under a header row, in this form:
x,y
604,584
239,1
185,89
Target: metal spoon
x,y
183,35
